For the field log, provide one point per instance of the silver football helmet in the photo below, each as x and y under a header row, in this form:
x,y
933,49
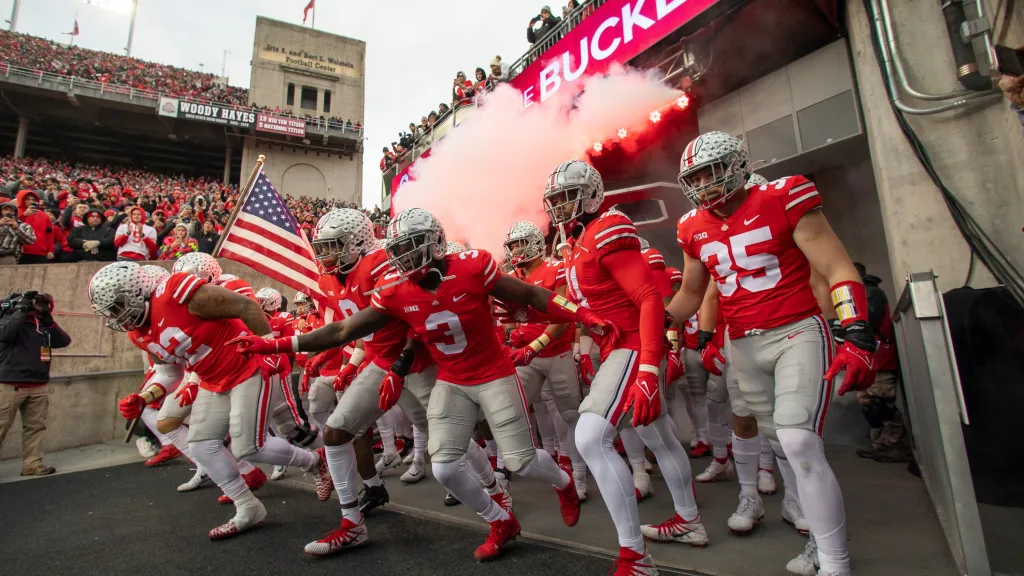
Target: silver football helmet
x,y
269,299
714,166
644,244
415,239
755,180
120,292
155,275
574,188
199,264
453,247
523,243
341,238
303,304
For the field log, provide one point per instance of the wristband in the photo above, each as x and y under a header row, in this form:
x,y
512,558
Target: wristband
x,y
575,349
703,337
851,302
541,341
673,339
153,393
586,345
649,368
193,378
357,356
294,344
403,364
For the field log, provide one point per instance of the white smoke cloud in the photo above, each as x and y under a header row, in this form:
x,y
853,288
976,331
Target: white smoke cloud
x,y
490,172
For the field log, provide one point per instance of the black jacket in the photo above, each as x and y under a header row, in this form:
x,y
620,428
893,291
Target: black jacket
x,y
545,28
207,242
103,233
20,343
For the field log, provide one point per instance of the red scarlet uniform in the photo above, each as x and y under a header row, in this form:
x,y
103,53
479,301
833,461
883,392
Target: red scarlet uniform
x,y
236,284
549,275
176,335
763,277
455,322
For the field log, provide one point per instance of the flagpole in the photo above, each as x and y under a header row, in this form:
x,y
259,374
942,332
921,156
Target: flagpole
x,y
313,23
240,203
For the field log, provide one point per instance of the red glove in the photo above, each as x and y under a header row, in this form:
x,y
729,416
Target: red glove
x,y
345,376
249,345
643,398
604,333
859,365
131,406
675,368
522,356
708,357
390,390
586,367
186,395
517,339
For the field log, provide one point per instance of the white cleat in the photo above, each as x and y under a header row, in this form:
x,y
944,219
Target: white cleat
x,y
794,514
716,471
279,472
765,481
246,518
581,487
195,482
146,448
806,564
414,474
642,483
349,535
409,458
676,529
747,515
388,461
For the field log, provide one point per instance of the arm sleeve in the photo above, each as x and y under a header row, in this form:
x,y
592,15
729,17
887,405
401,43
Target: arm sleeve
x,y
634,277
65,216
58,337
121,236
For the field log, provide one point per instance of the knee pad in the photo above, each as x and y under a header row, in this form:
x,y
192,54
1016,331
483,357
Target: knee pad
x,y
717,391
570,416
303,435
594,434
167,425
800,446
516,461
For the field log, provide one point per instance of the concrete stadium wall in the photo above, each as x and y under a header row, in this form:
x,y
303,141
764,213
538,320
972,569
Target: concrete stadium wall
x,y
301,171
83,410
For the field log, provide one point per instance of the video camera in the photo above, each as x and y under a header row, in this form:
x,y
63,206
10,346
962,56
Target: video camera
x,y
31,301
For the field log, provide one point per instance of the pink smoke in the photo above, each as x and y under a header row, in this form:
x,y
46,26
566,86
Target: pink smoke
x,y
490,172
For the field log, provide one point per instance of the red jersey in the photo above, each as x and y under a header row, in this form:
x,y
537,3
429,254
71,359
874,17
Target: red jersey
x,y
236,284
593,287
675,275
763,277
313,321
281,325
455,322
348,295
656,262
178,336
551,276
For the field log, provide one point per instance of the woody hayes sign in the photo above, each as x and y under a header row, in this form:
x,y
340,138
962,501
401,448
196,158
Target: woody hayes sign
x,y
213,113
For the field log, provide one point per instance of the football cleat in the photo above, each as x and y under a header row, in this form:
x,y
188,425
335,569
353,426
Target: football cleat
x,y
794,514
648,467
504,478
196,481
254,480
278,472
581,487
373,497
765,481
565,462
700,450
414,474
324,484
246,518
504,499
675,529
388,461
146,448
717,471
165,455
806,563
409,458
642,483
747,515
569,502
502,532
632,563
348,535
450,499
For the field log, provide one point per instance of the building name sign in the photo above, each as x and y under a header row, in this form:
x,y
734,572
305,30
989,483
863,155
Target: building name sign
x,y
303,59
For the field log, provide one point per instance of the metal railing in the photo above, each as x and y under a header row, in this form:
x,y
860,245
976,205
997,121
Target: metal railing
x,y
548,41
70,83
87,375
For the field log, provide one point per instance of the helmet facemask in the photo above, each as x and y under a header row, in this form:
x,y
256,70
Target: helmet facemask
x,y
564,204
710,184
124,313
414,250
339,254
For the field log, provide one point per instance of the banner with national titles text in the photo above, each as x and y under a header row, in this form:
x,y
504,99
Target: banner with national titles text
x,y
280,125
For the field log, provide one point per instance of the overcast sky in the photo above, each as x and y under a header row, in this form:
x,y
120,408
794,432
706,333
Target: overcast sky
x,y
413,47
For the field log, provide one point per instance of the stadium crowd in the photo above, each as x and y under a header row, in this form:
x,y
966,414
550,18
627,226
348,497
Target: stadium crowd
x,y
53,211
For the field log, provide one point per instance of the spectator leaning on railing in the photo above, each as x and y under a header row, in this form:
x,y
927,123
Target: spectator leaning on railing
x,y
13,234
548,23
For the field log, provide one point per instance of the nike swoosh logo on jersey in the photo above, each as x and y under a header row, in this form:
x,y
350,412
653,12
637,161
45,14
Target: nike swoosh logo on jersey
x,y
160,324
751,221
457,298
538,282
794,335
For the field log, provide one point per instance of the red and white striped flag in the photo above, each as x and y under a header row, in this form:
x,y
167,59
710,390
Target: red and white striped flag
x,y
310,6
266,237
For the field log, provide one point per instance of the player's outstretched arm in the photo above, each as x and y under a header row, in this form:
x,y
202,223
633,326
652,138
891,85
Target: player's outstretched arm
x,y
555,308
215,303
691,293
338,334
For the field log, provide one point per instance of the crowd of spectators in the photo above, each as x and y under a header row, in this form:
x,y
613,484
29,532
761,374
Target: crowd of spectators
x,y
467,89
53,211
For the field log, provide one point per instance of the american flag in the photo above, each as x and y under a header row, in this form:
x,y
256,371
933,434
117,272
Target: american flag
x,y
266,237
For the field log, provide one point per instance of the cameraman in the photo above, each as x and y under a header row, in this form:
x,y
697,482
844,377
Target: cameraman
x,y
27,335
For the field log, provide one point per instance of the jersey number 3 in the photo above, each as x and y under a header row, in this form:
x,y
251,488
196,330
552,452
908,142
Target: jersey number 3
x,y
763,270
445,318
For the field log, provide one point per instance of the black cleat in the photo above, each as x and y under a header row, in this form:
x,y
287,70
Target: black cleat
x,y
373,497
451,500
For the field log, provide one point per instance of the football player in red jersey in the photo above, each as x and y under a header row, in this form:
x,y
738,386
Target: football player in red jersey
x,y
760,246
607,274
542,353
188,321
446,302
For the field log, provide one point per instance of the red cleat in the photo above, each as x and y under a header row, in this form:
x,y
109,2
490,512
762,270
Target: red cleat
x,y
565,462
640,497
254,480
728,448
165,455
701,450
569,502
632,563
324,483
502,532
504,499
